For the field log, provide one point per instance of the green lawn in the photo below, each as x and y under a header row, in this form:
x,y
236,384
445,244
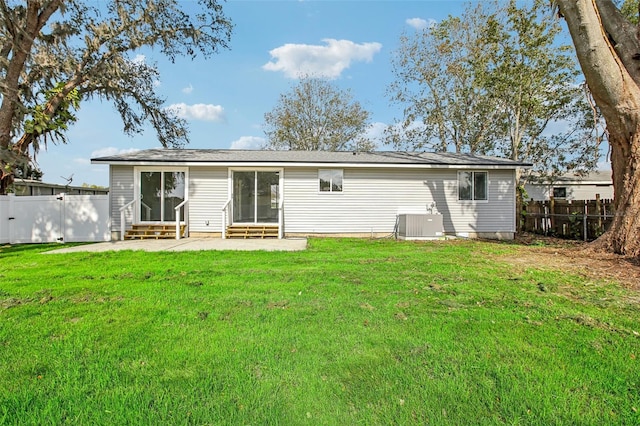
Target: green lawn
x,y
347,332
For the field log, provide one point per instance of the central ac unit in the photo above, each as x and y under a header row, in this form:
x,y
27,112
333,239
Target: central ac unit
x,y
420,226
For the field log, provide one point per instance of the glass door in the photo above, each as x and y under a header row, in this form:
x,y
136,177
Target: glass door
x,y
160,193
255,197
244,192
150,196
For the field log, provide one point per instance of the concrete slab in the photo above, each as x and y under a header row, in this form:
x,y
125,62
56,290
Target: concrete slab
x,y
190,244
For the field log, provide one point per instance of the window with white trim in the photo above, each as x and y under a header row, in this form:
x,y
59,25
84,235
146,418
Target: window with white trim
x,y
559,192
473,186
330,180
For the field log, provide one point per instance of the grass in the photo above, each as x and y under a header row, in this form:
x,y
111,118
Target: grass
x,y
346,332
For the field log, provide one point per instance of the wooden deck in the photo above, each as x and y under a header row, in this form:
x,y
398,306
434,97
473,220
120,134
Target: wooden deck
x,y
153,232
252,231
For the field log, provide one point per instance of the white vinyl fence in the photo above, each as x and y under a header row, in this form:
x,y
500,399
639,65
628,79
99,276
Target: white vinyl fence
x,y
54,218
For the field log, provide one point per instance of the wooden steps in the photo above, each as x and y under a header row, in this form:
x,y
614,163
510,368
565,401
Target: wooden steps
x,y
153,232
252,231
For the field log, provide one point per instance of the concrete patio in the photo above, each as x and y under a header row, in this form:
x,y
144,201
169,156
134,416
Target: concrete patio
x,y
190,244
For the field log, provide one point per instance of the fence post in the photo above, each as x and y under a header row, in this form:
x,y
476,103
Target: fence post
x,y
552,211
599,213
584,221
545,216
12,217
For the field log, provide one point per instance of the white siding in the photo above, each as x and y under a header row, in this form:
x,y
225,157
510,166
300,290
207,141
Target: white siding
x,y
371,199
583,191
588,192
207,195
121,192
208,191
369,203
496,215
536,192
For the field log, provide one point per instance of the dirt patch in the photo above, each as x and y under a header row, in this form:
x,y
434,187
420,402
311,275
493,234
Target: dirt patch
x,y
575,256
281,304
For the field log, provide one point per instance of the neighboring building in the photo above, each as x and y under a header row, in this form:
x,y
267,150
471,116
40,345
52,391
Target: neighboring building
x,y
304,193
573,187
36,187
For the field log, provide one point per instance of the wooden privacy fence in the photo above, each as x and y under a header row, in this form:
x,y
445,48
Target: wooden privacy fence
x,y
576,219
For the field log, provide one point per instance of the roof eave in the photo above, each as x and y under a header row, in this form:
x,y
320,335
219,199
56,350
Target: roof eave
x,y
281,164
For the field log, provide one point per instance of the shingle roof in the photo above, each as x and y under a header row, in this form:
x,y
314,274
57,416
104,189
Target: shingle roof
x,y
326,157
594,177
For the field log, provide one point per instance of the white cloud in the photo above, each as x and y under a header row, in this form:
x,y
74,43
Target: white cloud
x,y
139,59
375,133
248,142
187,90
420,24
110,151
202,112
297,60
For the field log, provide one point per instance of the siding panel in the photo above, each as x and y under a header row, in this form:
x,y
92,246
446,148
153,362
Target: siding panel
x,y
495,215
121,192
371,199
369,203
208,191
583,191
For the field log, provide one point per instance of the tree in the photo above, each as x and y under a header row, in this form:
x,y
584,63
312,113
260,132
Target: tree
x,y
535,83
608,49
445,106
28,171
630,9
492,82
314,116
54,54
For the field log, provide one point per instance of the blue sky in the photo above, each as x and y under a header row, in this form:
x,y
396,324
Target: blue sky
x,y
224,98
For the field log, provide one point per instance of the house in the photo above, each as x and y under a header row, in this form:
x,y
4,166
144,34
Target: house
x,y
200,192
572,187
30,187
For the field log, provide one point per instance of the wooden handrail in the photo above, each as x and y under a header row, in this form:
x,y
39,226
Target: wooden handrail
x,y
177,209
280,218
123,224
225,215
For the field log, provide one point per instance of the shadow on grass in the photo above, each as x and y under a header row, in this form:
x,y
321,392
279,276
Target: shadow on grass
x,y
17,249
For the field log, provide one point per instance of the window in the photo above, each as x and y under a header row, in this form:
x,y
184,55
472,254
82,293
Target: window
x,y
160,193
330,180
472,186
560,192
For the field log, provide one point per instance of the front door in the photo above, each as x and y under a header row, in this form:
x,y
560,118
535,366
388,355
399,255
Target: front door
x,y
255,196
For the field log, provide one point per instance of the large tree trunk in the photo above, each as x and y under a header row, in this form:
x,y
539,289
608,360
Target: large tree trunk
x,y
623,236
606,46
24,31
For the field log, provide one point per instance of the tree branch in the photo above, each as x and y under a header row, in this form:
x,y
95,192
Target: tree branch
x,y
622,33
608,78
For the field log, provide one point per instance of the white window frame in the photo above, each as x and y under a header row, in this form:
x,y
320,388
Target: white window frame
x,y
280,171
137,184
331,190
473,186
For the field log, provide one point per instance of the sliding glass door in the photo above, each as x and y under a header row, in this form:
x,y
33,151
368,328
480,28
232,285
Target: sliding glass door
x,y
160,193
255,196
